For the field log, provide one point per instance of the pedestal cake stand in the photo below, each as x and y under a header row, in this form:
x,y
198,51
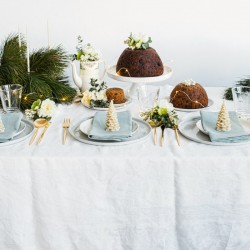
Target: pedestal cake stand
x,y
138,81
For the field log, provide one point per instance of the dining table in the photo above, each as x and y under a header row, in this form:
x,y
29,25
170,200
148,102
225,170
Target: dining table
x,y
139,196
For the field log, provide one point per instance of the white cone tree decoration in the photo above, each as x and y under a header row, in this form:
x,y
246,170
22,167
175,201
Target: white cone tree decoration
x,y
112,123
223,121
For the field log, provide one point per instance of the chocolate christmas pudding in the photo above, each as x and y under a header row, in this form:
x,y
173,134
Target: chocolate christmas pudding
x,y
189,95
115,94
139,60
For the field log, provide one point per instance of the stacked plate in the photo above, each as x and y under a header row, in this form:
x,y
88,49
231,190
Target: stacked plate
x,y
24,131
191,128
80,131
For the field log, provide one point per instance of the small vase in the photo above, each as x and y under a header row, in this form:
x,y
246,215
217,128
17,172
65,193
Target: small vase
x,y
89,70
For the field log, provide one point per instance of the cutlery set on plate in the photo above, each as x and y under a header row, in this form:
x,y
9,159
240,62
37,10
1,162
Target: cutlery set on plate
x,y
43,123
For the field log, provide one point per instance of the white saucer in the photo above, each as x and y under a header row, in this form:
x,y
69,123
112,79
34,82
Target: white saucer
x,y
85,126
117,106
210,103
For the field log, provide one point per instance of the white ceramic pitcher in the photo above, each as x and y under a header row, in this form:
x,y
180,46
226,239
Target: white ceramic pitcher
x,y
88,70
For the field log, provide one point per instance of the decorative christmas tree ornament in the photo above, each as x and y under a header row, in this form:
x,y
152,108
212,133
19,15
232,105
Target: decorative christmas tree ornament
x,y
223,123
112,123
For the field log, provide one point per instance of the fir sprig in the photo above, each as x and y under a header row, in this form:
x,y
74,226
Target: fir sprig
x,y
46,78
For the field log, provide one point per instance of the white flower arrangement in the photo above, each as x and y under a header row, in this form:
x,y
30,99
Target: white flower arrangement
x,y
138,41
41,109
96,95
161,114
86,52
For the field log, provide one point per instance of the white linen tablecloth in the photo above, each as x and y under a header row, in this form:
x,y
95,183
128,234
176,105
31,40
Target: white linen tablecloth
x,y
134,197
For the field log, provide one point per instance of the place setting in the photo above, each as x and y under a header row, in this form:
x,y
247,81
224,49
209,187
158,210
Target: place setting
x,y
110,128
221,128
13,127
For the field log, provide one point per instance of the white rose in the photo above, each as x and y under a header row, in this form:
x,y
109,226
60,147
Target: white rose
x,y
47,109
87,50
137,37
101,95
86,98
84,58
165,104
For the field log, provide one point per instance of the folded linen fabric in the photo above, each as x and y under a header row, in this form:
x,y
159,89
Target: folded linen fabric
x,y
236,134
98,130
11,122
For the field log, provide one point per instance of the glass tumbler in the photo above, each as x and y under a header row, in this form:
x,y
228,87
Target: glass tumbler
x,y
147,97
241,98
11,95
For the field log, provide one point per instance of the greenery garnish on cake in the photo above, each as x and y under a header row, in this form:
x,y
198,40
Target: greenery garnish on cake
x,y
138,41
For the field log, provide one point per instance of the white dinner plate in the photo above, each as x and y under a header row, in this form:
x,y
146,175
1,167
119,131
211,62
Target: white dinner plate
x,y
210,103
28,129
141,134
85,126
117,106
189,129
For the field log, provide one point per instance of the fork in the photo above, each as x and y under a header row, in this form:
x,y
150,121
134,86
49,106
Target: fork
x,y
65,125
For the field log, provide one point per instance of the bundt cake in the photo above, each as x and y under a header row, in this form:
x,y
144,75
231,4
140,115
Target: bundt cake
x,y
115,94
189,95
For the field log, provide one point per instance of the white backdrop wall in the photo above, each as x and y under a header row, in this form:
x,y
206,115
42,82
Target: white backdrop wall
x,y
207,40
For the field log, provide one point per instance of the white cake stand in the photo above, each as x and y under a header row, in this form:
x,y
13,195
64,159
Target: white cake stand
x,y
138,81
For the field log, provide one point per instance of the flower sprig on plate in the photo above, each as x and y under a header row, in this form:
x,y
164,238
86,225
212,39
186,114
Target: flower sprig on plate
x,y
138,41
86,52
41,109
96,95
161,114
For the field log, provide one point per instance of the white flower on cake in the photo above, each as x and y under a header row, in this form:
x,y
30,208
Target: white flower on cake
x,y
112,123
223,123
47,108
189,82
138,41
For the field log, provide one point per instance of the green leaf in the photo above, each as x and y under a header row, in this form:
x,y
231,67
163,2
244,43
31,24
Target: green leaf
x,y
36,104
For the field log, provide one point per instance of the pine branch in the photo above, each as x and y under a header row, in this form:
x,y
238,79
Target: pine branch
x,y
46,79
12,60
49,61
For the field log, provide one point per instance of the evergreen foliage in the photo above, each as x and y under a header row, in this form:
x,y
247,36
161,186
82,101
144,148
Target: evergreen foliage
x,y
46,78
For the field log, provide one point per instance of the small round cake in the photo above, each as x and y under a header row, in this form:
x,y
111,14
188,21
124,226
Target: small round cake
x,y
189,95
139,63
116,94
